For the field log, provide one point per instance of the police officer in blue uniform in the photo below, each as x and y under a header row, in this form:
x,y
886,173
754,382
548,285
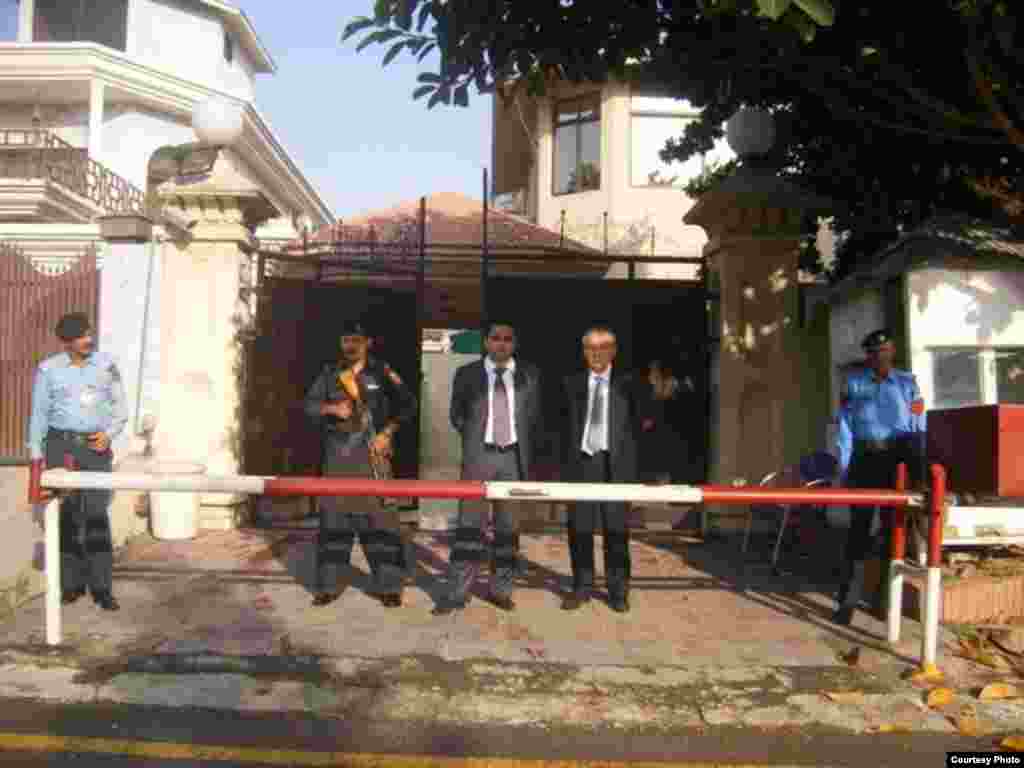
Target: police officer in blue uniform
x,y
351,430
881,425
78,409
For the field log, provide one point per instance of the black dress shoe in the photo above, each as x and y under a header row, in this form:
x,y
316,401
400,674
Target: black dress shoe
x,y
391,600
325,598
106,601
69,596
576,600
619,603
504,602
448,606
843,617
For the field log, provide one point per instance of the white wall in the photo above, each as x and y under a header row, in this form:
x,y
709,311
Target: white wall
x,y
130,136
636,208
950,308
187,40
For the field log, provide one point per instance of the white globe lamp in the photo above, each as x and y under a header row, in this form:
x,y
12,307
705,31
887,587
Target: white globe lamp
x,y
750,132
217,122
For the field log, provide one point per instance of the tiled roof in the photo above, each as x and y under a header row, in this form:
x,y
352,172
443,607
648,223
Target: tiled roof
x,y
452,218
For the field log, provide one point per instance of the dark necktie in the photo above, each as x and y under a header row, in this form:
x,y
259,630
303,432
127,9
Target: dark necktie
x,y
502,425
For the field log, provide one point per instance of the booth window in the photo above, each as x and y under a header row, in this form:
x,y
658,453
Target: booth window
x,y
977,376
8,21
577,145
82,21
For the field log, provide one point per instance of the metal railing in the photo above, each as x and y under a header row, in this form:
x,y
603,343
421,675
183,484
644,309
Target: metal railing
x,y
39,154
899,499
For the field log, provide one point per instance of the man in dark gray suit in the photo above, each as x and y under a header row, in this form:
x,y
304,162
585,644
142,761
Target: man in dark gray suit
x,y
602,448
496,408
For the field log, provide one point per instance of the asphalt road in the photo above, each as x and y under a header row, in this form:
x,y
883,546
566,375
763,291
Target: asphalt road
x,y
36,734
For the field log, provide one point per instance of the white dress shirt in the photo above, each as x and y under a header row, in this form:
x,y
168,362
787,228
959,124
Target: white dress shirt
x,y
510,390
591,388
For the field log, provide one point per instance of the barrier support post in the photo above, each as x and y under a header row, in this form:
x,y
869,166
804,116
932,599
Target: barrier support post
x,y
933,588
896,559
52,534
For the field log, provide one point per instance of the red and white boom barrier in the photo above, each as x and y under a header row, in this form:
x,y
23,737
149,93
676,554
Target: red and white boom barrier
x,y
899,499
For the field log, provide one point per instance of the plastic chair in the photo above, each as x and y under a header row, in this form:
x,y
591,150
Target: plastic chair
x,y
766,482
817,470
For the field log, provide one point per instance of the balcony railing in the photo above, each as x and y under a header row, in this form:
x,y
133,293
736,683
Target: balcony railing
x,y
37,154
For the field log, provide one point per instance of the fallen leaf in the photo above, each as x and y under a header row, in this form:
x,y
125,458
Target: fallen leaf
x,y
1016,743
927,674
892,728
851,657
995,691
845,697
939,697
968,725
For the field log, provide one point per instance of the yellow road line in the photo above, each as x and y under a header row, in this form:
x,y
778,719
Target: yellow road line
x,y
166,750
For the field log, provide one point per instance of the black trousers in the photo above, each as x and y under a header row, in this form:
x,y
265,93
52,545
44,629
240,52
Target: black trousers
x,y
585,518
342,518
469,550
86,548
874,469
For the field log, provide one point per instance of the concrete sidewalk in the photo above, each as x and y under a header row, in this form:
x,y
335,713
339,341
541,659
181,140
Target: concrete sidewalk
x,y
226,621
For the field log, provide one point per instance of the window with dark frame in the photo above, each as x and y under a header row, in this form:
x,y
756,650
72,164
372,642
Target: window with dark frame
x,y
229,47
82,21
8,21
577,155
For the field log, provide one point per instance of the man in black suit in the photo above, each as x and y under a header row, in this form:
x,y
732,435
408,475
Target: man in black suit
x,y
602,448
495,407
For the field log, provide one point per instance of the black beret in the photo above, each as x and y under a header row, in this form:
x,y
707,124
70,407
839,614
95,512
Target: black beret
x,y
354,328
73,326
876,339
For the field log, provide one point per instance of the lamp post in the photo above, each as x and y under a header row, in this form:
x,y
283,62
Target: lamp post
x,y
751,132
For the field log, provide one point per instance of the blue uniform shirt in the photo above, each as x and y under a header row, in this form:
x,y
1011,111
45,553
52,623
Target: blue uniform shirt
x,y
877,410
89,398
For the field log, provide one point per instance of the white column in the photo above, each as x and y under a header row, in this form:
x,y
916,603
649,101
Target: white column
x,y
97,92
128,313
26,17
895,603
51,524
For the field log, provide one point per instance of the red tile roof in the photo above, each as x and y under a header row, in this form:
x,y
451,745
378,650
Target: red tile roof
x,y
451,218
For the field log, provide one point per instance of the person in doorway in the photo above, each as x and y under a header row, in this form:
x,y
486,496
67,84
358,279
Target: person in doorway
x,y
495,407
602,448
359,403
881,425
664,453
78,409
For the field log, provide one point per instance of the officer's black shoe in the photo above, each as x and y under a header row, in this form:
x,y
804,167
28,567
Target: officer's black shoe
x,y
391,600
448,606
843,616
69,596
504,602
325,598
106,601
576,600
619,603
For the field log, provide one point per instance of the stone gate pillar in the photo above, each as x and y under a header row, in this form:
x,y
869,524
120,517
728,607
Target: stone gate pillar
x,y
758,423
202,318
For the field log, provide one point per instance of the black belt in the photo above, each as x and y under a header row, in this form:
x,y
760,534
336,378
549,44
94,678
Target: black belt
x,y
879,446
499,449
70,434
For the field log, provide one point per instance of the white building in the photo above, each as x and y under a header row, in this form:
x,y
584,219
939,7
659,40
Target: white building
x,y
109,82
593,149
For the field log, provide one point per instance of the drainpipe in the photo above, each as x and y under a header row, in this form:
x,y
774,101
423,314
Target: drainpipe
x,y
151,258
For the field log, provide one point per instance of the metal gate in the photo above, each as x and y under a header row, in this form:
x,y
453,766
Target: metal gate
x,y
32,300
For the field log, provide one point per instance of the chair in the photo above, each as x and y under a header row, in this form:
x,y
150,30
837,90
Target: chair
x,y
817,470
767,481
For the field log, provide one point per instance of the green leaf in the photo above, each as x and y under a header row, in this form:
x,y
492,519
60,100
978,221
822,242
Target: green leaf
x,y
380,36
424,15
423,54
820,10
462,96
392,52
403,17
428,77
422,91
356,25
437,98
803,26
773,9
